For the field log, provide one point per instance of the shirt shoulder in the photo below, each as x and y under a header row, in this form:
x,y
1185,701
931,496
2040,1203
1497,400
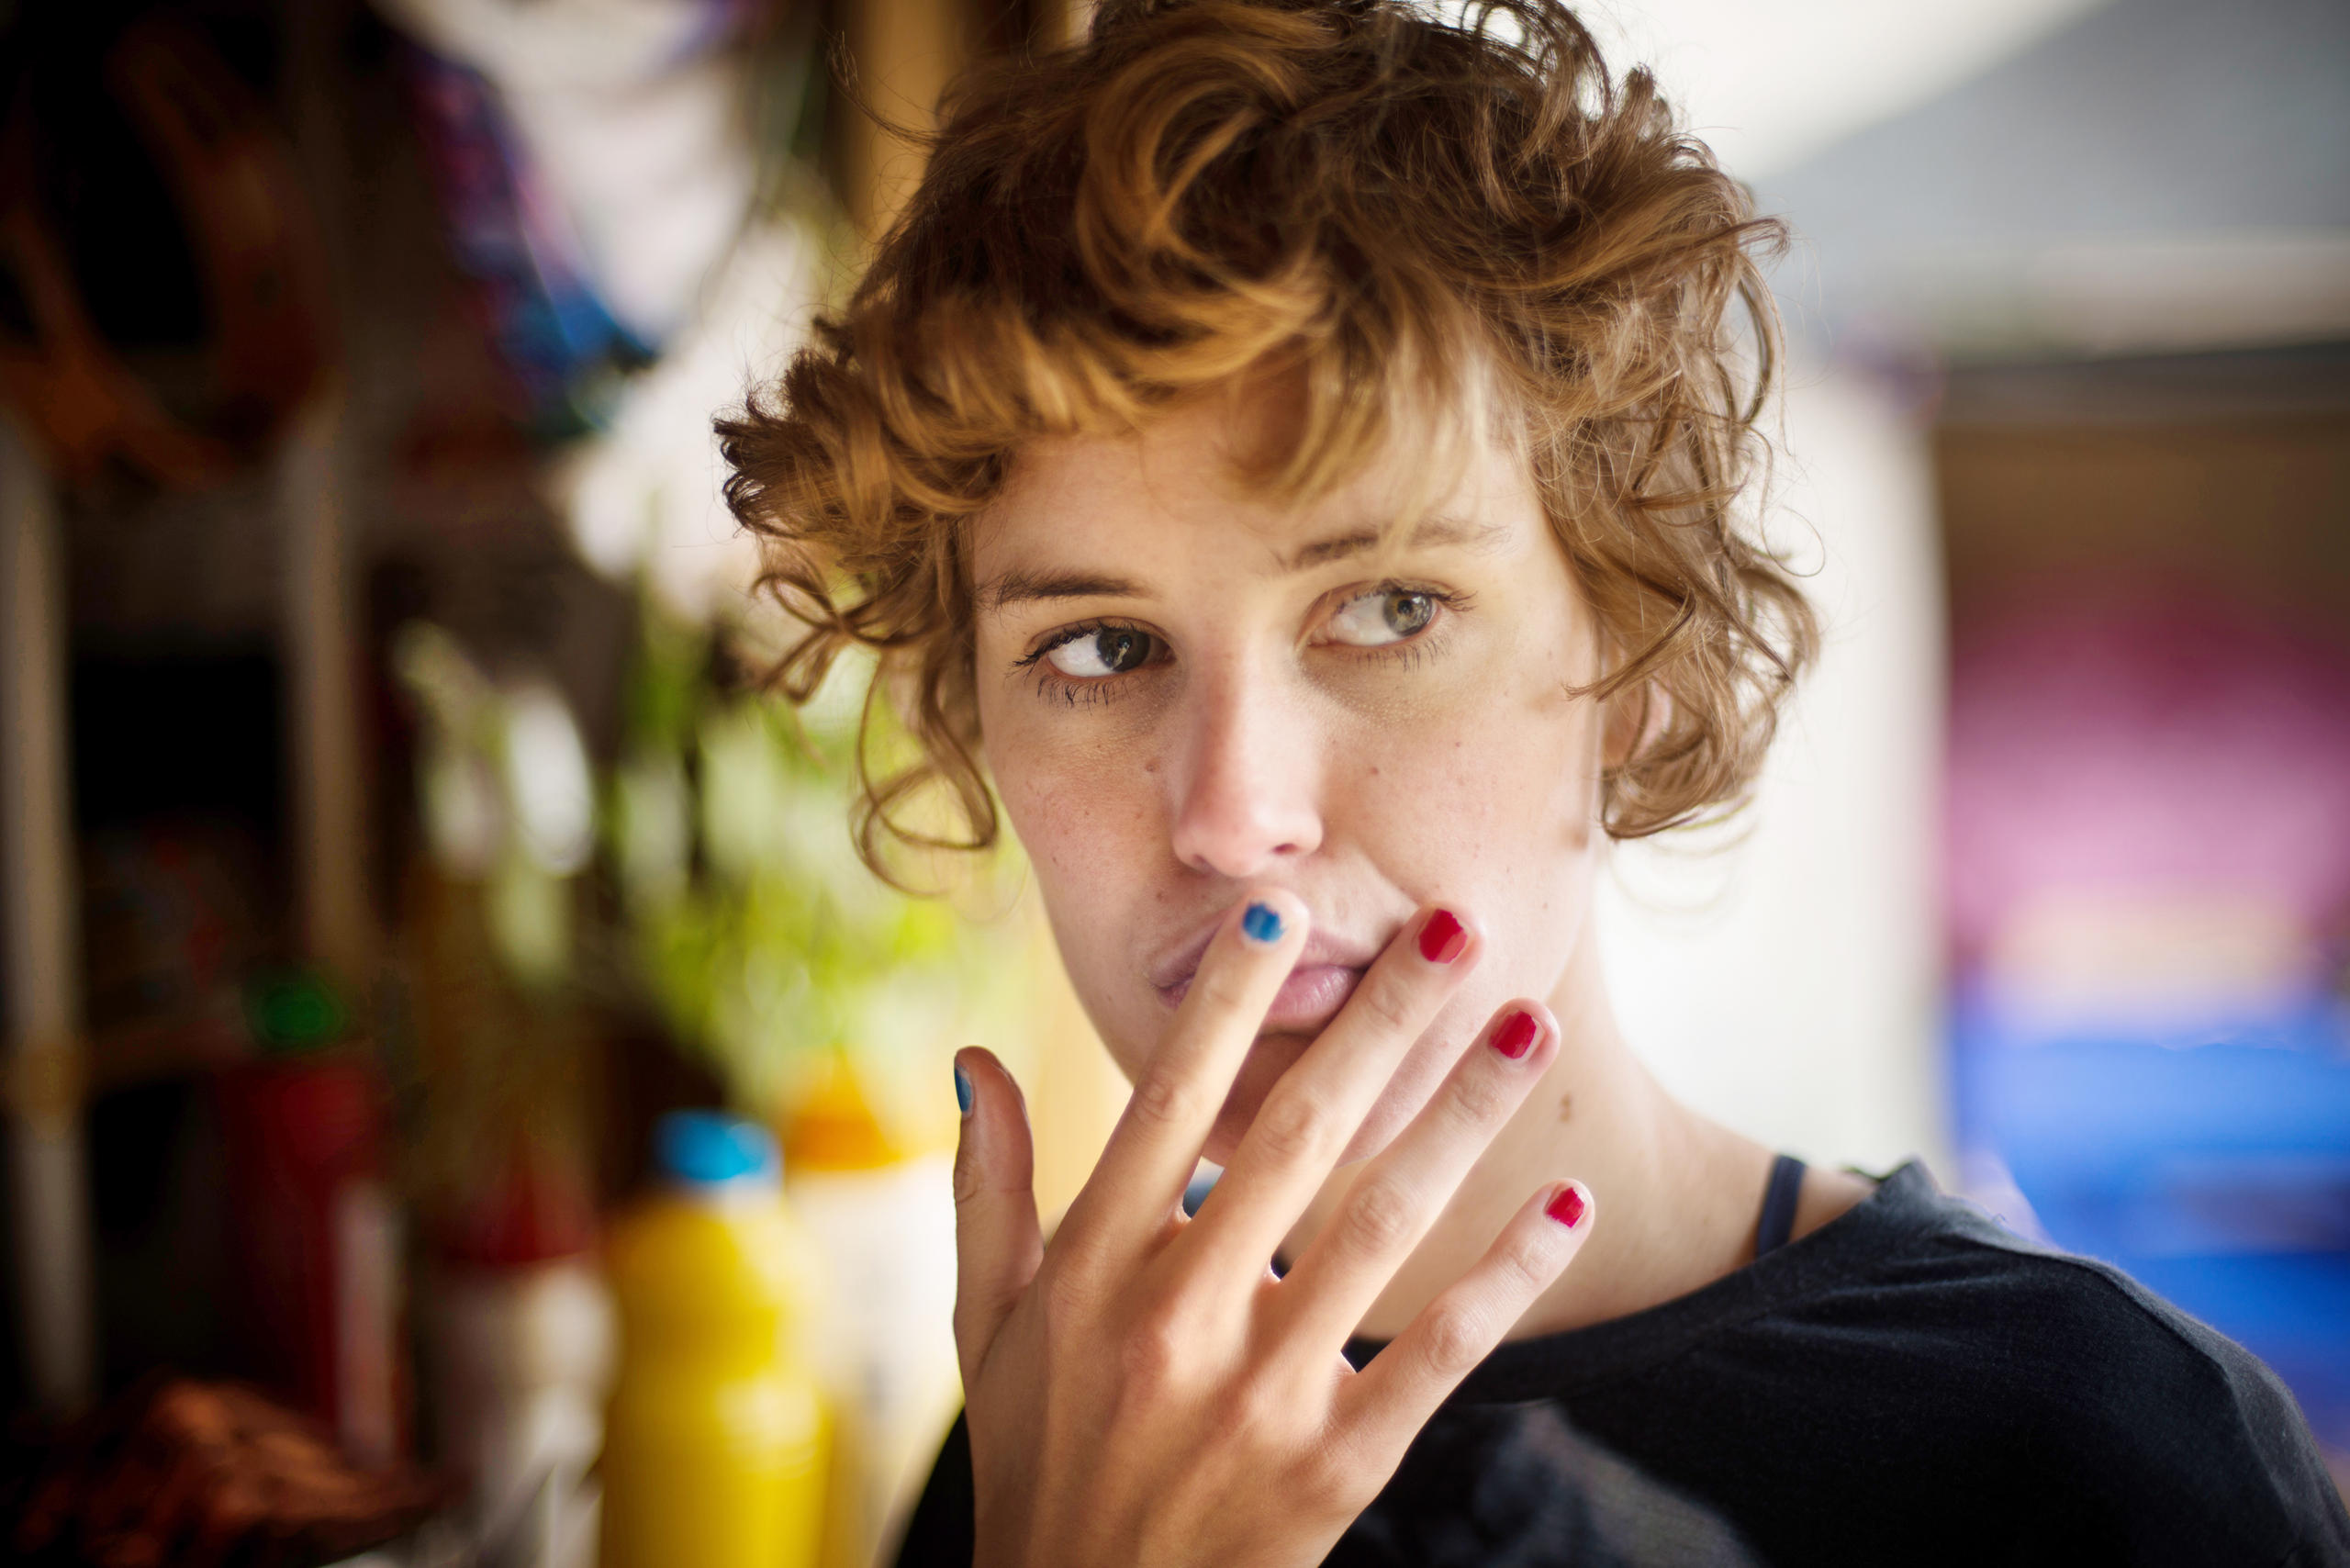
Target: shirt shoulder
x,y
2118,1415
1913,1372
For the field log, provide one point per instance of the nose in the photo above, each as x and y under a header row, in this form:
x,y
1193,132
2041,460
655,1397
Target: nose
x,y
1247,776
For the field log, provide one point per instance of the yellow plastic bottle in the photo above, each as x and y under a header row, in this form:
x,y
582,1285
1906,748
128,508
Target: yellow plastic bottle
x,y
715,1444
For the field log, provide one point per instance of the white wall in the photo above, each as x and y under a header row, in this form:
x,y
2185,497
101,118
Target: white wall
x,y
1788,982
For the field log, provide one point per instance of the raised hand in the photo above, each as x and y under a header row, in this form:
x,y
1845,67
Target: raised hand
x,y
1144,1391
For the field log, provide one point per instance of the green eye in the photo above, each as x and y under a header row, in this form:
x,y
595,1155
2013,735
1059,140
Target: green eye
x,y
1102,651
1383,616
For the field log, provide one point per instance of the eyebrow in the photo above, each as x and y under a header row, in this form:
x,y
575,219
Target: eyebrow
x,y
1019,584
1431,532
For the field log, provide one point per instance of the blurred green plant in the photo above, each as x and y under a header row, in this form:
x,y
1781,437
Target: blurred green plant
x,y
738,898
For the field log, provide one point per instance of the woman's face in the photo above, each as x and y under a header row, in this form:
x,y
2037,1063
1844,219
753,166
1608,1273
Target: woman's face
x,y
1188,691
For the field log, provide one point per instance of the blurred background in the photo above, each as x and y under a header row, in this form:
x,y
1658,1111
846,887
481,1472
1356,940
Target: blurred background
x,y
393,832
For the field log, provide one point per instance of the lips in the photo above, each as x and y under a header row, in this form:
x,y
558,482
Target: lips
x,y
1324,976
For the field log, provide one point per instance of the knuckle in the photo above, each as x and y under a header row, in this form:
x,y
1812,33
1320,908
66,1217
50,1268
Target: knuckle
x,y
1278,1411
1329,1476
1388,999
1526,1266
1455,1340
1378,1218
1150,1356
1481,1099
1160,1101
1289,1129
1263,1412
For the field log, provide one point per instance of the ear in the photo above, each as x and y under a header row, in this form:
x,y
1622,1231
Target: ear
x,y
1634,717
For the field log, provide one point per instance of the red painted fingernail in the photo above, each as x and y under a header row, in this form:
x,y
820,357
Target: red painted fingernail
x,y
1567,1207
1442,937
1514,1038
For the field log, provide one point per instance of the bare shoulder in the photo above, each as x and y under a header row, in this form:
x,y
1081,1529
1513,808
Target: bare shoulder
x,y
1826,1195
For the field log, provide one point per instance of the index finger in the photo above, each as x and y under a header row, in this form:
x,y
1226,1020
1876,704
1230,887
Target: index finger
x,y
1156,1146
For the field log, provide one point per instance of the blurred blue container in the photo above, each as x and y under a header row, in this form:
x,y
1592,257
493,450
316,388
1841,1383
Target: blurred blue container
x,y
2212,1166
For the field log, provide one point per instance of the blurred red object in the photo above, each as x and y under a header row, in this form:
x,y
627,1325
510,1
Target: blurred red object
x,y
536,1209
2119,747
316,1238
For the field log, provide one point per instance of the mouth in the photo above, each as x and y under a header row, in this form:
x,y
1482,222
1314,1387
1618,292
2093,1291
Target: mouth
x,y
1307,1001
1326,975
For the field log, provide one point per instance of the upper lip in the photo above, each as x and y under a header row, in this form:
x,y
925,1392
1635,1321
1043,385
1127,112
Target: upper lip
x,y
1321,947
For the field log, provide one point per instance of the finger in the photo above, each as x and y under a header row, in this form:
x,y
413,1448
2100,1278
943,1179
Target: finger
x,y
1156,1146
998,1243
1383,1406
1393,1202
1303,1129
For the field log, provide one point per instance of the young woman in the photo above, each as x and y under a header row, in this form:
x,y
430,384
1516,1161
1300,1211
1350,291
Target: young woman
x,y
1294,448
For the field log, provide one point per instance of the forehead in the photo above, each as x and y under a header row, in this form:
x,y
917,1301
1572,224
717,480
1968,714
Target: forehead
x,y
1187,486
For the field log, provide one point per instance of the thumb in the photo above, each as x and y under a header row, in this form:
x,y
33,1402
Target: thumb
x,y
998,1243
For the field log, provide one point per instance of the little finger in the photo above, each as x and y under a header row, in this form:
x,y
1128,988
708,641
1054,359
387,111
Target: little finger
x,y
1382,1407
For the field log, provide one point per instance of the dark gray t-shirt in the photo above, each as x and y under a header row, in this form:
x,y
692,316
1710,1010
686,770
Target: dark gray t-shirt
x,y
1908,1383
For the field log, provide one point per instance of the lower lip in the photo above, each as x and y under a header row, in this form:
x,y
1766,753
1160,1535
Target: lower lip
x,y
1308,999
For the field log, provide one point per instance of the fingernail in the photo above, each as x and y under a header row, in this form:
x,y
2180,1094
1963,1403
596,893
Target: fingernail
x,y
1516,1036
962,1089
1443,937
1261,923
1568,1207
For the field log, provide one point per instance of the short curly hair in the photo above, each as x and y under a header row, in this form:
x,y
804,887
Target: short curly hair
x,y
1399,210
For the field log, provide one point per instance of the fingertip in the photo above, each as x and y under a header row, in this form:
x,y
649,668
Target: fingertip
x,y
1569,1204
1524,1031
1449,937
994,1128
978,1065
1270,916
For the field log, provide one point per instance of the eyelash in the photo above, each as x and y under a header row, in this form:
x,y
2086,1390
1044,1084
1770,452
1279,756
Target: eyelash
x,y
1050,682
1410,652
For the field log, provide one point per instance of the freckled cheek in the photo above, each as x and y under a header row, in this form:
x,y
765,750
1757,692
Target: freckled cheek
x,y
1492,804
1097,849
1087,816
1060,821
1472,787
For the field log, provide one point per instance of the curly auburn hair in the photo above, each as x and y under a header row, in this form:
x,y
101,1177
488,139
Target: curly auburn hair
x,y
1399,212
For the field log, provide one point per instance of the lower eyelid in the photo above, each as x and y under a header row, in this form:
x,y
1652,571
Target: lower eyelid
x,y
1072,691
1446,609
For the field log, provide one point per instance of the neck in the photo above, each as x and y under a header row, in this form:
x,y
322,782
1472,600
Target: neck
x,y
1675,1194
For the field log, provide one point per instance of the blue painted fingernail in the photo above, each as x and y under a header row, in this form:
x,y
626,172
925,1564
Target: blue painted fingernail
x,y
1262,925
962,1089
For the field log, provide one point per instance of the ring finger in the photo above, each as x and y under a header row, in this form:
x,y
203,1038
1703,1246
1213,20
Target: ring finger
x,y
1401,1192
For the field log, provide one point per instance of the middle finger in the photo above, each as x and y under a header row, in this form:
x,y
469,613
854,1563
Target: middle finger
x,y
1305,1123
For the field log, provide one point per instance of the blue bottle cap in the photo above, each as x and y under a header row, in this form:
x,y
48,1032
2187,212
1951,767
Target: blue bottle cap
x,y
705,1148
